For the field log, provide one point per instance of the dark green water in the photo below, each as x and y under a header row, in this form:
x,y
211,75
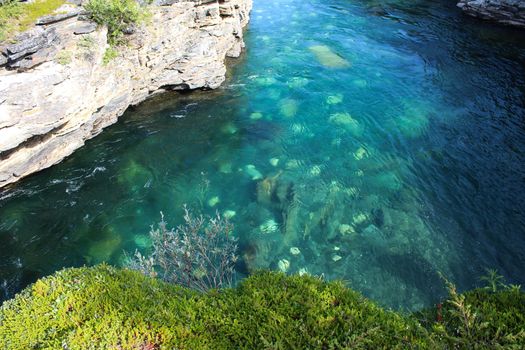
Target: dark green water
x,y
384,140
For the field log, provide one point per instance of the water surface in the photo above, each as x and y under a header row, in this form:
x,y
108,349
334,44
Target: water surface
x,y
384,140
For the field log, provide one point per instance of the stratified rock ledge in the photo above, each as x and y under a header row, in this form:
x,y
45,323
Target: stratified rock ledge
x,y
508,12
56,92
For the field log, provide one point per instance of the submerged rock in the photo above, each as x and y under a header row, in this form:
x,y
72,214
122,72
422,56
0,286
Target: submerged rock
x,y
303,271
360,153
414,120
292,164
295,251
297,82
328,58
269,226
359,218
283,265
256,116
229,128
228,214
289,107
252,171
336,258
142,241
266,81
346,121
315,170
134,175
213,201
274,161
103,250
334,99
225,168
345,229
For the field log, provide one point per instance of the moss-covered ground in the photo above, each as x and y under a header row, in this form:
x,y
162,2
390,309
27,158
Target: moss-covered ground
x,y
108,308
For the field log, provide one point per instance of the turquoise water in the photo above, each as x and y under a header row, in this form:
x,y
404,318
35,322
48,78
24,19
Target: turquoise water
x,y
376,142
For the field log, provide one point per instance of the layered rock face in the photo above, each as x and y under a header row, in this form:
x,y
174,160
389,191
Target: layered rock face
x,y
509,12
56,92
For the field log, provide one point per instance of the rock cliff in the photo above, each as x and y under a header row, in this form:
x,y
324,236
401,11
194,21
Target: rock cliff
x,y
509,12
56,91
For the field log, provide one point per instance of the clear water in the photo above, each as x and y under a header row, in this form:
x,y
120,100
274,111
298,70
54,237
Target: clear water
x,y
383,139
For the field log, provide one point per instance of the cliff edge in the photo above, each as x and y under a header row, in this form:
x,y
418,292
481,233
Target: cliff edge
x,y
57,89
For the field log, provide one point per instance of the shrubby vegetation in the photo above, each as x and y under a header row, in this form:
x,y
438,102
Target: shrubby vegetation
x,y
107,308
119,16
200,254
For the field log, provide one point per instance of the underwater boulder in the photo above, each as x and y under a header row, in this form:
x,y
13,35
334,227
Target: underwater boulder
x,y
274,161
346,121
414,120
328,58
252,172
265,81
265,190
334,99
134,175
142,241
269,226
283,265
295,251
213,201
103,250
256,116
297,82
387,180
289,107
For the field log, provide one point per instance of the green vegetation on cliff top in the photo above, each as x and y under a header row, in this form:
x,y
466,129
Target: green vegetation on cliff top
x,y
107,308
16,17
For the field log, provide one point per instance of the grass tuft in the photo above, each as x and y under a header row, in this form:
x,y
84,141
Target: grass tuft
x,y
16,17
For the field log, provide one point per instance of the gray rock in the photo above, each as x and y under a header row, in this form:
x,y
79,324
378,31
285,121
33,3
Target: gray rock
x,y
166,2
30,42
57,18
3,60
507,12
85,28
41,56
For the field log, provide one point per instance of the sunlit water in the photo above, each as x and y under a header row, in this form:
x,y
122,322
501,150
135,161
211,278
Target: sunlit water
x,y
383,141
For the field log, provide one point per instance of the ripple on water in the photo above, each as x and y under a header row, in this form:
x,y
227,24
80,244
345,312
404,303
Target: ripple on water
x,y
373,142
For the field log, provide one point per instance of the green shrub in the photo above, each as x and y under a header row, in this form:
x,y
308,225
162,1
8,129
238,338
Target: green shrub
x,y
487,318
116,15
110,54
199,254
107,308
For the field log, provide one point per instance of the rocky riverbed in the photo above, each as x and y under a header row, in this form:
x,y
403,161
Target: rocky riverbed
x,y
56,91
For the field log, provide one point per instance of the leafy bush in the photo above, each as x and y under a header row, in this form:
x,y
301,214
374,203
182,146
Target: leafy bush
x,y
117,15
200,254
106,308
487,318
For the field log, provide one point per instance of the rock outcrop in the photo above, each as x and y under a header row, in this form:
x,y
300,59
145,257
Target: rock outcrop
x,y
508,12
56,91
